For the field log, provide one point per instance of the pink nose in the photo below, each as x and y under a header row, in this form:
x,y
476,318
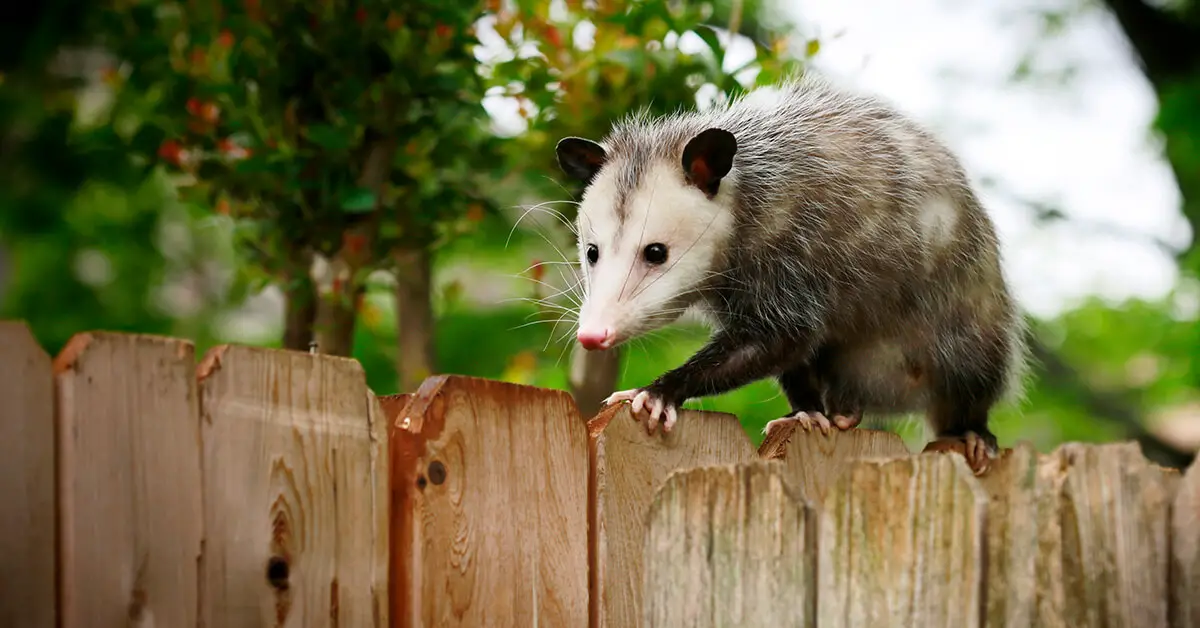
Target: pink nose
x,y
592,339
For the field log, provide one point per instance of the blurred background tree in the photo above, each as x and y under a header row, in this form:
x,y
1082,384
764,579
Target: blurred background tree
x,y
380,178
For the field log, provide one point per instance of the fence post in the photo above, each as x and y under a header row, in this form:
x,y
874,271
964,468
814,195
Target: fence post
x,y
902,544
129,481
628,466
27,519
730,546
295,460
490,500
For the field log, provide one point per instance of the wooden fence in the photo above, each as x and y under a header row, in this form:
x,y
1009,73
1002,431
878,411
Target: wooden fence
x,y
272,488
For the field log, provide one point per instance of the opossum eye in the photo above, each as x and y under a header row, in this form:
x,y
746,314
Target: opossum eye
x,y
593,253
655,253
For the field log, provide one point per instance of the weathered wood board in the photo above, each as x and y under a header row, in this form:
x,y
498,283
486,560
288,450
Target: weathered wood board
x,y
902,544
27,477
295,452
490,516
1113,509
814,461
629,466
1012,538
130,489
1185,551
730,545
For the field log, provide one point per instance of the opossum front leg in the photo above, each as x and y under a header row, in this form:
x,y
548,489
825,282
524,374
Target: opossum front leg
x,y
725,363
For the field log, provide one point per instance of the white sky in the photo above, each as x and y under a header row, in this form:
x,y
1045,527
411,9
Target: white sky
x,y
1085,148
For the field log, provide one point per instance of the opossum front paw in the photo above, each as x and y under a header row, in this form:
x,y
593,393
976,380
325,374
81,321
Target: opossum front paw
x,y
808,421
642,399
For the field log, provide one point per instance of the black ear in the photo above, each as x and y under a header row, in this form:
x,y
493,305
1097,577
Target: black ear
x,y
580,158
708,157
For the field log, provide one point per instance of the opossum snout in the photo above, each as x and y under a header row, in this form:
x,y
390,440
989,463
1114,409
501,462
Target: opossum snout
x,y
593,339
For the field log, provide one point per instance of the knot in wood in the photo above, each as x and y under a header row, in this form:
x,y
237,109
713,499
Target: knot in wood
x,y
437,472
277,572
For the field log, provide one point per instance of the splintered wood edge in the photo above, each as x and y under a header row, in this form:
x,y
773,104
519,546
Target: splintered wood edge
x,y
71,352
211,363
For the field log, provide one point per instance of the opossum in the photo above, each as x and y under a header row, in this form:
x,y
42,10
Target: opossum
x,y
831,242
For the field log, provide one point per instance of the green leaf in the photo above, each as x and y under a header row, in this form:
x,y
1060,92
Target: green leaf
x,y
358,201
329,137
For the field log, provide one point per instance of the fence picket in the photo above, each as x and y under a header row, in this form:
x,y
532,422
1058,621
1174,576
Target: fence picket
x,y
27,479
902,544
490,518
629,466
296,436
730,545
130,495
1185,551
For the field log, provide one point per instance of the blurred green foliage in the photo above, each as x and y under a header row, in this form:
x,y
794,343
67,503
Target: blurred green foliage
x,y
183,156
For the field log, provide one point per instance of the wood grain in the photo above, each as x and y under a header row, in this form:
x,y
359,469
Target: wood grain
x,y
730,546
628,467
1185,551
1114,510
902,544
28,518
490,492
295,491
1012,538
814,461
129,481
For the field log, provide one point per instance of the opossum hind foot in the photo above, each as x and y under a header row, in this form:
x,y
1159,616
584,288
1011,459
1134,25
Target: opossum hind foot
x,y
978,450
813,420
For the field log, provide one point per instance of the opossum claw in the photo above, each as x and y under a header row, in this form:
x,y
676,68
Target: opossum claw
x,y
621,395
656,406
807,421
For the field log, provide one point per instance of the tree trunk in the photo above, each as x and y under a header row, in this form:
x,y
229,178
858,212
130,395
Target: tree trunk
x,y
593,377
415,355
337,313
300,292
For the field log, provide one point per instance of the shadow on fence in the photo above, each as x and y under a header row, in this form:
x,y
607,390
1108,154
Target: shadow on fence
x,y
267,487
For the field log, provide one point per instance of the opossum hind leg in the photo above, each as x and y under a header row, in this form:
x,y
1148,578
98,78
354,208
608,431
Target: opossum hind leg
x,y
964,385
804,388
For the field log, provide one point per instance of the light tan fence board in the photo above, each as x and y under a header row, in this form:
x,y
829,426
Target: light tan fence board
x,y
130,484
1012,538
730,546
629,466
902,544
295,491
491,503
27,520
1114,511
1185,551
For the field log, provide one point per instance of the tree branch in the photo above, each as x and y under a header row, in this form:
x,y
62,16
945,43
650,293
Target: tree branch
x,y
1107,406
1167,47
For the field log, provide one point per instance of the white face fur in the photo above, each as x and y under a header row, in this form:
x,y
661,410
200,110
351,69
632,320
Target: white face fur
x,y
648,262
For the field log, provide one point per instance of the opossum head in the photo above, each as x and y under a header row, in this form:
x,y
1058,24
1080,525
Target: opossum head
x,y
652,224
